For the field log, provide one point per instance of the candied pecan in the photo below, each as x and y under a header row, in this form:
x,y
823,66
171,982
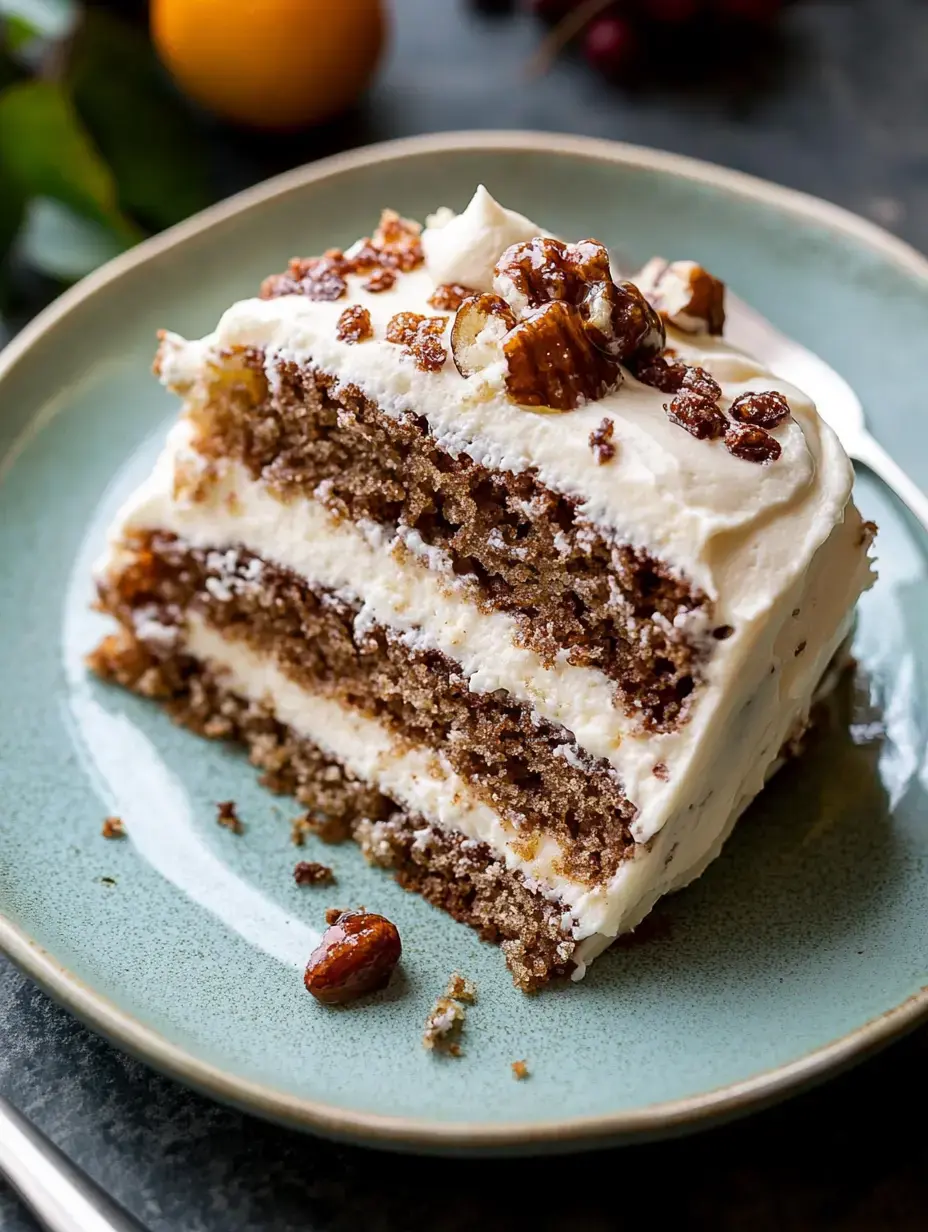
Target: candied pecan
x,y
478,330
354,325
319,278
684,294
427,351
552,361
752,444
226,815
397,241
542,270
698,415
402,327
700,382
668,378
764,410
450,296
310,872
357,955
601,442
380,280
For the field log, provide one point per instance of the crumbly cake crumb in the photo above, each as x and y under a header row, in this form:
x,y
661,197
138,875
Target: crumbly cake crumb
x,y
299,828
520,1071
113,827
333,913
226,815
310,872
445,1020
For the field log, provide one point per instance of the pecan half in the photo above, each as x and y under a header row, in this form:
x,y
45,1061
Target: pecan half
x,y
477,335
357,955
684,294
764,410
552,361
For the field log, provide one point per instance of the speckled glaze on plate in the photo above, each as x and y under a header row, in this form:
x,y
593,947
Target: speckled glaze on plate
x,y
802,948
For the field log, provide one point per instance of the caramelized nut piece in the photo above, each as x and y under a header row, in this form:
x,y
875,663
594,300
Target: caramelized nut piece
x,y
601,442
357,955
450,296
752,444
698,381
354,325
698,415
684,294
319,278
380,280
764,410
660,374
552,361
397,241
402,328
477,334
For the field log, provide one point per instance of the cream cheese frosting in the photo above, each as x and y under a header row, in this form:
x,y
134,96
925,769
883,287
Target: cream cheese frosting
x,y
777,548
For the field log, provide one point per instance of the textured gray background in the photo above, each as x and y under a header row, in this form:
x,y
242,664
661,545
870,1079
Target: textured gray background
x,y
835,106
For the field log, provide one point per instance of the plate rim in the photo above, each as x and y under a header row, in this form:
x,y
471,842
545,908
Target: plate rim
x,y
662,1118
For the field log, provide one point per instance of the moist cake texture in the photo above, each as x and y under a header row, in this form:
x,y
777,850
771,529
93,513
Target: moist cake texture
x,y
510,570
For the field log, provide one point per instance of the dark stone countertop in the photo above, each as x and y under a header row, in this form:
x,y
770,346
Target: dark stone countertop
x,y
835,106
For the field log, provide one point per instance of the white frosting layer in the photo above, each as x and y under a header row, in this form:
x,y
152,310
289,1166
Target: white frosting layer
x,y
721,522
778,549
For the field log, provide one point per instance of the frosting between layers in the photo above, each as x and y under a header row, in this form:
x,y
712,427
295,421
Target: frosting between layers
x,y
412,595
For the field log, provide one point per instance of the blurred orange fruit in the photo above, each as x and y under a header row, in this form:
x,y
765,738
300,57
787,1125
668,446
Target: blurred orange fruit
x,y
272,64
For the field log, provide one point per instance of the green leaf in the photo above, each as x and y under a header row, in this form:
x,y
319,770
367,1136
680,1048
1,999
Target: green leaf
x,y
45,152
58,242
140,124
47,19
11,216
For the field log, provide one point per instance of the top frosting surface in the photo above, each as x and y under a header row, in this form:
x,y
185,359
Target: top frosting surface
x,y
736,529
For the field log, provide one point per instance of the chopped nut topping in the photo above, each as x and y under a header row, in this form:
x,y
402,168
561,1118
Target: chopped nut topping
x,y
722,633
553,362
601,442
668,378
752,444
308,872
450,296
764,410
520,1071
380,280
698,415
319,278
113,827
397,241
354,325
420,336
660,771
228,817
562,322
685,295
402,328
478,331
357,954
700,382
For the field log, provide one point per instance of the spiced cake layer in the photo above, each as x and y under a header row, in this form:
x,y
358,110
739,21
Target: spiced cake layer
x,y
526,554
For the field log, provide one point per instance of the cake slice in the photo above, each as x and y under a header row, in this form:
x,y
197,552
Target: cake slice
x,y
510,570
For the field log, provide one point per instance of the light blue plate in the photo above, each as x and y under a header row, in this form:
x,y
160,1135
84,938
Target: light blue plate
x,y
803,947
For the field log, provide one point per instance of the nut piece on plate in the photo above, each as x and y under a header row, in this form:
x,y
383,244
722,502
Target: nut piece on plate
x,y
357,955
684,294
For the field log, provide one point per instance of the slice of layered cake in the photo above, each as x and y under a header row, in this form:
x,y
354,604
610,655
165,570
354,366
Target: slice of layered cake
x,y
510,569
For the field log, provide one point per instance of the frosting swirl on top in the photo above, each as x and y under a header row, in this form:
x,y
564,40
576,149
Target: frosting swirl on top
x,y
464,248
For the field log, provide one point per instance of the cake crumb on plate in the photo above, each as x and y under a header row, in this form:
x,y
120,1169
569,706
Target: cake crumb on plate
x,y
227,816
309,872
445,1019
113,827
520,1071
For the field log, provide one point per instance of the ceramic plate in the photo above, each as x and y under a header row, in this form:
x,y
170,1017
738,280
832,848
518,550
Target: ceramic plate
x,y
803,947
